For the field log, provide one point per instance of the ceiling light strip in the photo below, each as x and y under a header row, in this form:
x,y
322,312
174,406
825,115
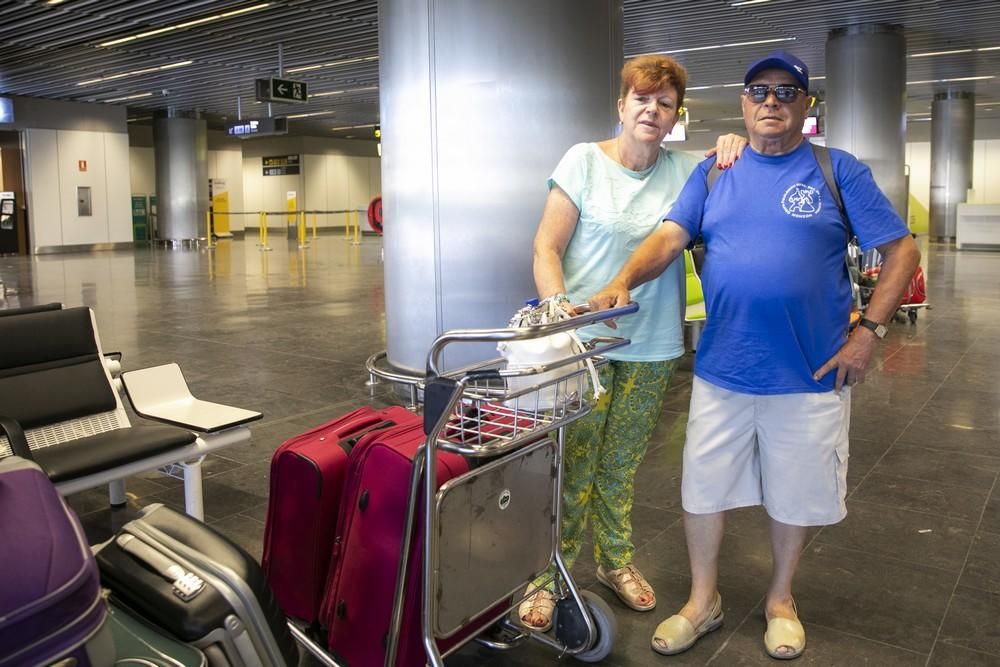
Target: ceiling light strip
x,y
147,70
931,54
310,114
341,92
352,127
715,46
961,78
129,97
336,63
186,24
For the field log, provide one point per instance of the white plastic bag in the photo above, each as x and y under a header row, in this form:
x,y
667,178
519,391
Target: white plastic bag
x,y
548,349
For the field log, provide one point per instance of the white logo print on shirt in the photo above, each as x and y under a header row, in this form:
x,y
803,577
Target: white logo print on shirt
x,y
801,201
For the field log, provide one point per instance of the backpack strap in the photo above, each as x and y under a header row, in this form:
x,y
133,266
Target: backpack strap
x,y
712,176
822,155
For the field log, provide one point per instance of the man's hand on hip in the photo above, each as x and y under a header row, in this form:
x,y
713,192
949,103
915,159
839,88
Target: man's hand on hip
x,y
852,360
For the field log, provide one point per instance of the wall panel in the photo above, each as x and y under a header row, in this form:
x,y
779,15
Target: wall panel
x,y
73,147
119,201
44,202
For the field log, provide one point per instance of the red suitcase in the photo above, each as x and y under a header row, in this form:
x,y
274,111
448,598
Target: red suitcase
x,y
357,608
307,478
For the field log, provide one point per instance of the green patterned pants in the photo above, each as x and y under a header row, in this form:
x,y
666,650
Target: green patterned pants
x,y
603,451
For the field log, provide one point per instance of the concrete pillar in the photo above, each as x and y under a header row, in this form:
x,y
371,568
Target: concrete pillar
x,y
478,102
181,148
953,124
866,102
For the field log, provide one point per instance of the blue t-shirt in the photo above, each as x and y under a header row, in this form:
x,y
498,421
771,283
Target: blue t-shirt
x,y
777,293
619,208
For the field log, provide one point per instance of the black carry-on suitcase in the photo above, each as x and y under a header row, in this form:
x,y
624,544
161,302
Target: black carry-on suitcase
x,y
186,578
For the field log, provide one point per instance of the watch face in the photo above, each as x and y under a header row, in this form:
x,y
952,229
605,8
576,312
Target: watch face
x,y
881,330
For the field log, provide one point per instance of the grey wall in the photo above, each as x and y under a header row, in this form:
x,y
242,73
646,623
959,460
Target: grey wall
x,y
36,113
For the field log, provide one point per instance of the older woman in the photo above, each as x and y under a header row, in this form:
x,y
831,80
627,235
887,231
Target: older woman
x,y
604,199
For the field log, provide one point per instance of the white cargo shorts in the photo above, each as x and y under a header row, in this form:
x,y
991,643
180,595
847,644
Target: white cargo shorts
x,y
787,452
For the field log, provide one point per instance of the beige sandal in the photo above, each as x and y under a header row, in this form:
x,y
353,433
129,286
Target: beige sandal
x,y
629,584
539,604
676,634
787,632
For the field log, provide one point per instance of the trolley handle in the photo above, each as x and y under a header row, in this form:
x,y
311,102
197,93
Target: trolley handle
x,y
520,333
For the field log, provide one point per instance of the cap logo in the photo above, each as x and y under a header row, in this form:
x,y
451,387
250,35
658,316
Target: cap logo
x,y
797,69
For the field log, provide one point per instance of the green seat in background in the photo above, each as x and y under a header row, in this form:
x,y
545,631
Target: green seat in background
x,y
694,316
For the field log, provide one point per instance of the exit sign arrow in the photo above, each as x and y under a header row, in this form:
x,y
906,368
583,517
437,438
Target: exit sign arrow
x,y
281,90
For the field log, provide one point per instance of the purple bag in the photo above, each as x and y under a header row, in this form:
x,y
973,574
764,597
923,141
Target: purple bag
x,y
51,605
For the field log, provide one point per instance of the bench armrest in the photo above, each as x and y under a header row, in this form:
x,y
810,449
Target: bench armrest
x,y
160,393
15,436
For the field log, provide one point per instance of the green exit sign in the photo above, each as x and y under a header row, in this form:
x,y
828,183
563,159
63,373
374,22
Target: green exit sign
x,y
281,90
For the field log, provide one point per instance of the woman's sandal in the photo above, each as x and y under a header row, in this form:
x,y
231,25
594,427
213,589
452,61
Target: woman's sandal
x,y
676,634
539,604
629,584
787,632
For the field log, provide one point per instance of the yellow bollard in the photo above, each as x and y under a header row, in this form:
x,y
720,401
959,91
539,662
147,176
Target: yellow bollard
x,y
302,230
208,229
263,231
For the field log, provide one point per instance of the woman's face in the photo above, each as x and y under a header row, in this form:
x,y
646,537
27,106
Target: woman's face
x,y
648,117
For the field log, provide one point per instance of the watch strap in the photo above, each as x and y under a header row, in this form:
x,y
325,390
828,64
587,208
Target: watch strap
x,y
873,326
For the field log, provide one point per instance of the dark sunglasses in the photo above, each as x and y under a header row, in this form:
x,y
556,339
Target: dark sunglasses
x,y
758,92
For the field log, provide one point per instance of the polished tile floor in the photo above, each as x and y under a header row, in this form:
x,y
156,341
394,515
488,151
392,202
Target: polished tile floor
x,y
911,577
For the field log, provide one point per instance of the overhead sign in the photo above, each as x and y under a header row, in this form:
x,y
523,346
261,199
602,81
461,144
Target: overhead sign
x,y
258,128
281,165
281,90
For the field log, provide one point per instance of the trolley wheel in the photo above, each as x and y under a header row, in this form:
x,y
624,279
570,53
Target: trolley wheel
x,y
912,314
571,630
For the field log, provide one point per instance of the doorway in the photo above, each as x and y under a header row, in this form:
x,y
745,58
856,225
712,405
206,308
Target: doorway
x,y
15,240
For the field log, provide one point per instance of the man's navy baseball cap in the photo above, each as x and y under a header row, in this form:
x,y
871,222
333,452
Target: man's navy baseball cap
x,y
780,60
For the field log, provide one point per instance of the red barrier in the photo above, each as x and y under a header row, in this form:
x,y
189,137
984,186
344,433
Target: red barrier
x,y
375,215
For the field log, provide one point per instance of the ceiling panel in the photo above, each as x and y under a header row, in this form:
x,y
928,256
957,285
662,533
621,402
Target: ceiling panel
x,y
50,50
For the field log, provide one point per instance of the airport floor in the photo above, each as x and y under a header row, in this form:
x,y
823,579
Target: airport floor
x,y
910,577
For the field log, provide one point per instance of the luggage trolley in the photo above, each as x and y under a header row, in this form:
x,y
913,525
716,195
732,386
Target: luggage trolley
x,y
490,532
865,269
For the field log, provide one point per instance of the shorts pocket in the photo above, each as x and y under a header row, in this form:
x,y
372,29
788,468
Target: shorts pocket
x,y
841,455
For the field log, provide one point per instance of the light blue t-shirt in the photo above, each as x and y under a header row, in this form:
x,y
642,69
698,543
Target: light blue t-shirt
x,y
618,210
777,293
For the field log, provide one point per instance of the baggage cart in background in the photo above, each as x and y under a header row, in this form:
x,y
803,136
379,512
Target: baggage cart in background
x,y
914,298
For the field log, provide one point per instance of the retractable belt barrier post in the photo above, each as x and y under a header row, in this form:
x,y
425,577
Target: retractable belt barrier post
x,y
302,230
263,232
208,229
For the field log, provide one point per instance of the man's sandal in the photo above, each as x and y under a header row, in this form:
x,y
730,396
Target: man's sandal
x,y
629,584
676,634
538,605
785,632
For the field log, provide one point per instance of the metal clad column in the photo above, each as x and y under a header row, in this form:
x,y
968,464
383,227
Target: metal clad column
x,y
953,124
479,101
866,102
181,148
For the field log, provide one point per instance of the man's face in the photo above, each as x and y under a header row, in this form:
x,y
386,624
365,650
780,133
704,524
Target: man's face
x,y
772,119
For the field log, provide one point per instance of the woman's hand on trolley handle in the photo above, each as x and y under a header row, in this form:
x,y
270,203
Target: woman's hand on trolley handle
x,y
613,295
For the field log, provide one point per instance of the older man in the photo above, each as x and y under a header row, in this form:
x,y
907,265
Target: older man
x,y
770,405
